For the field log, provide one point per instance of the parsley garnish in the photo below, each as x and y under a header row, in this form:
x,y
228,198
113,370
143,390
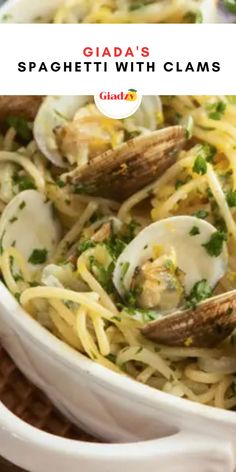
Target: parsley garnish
x,y
194,231
169,265
202,214
180,182
115,246
200,291
111,357
38,256
131,231
229,311
208,151
216,110
136,4
124,270
230,5
85,245
21,126
132,295
214,246
22,205
83,188
131,134
60,183
12,220
231,198
103,275
188,125
200,165
24,182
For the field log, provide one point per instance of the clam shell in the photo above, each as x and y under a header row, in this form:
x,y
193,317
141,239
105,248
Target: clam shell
x,y
17,105
54,112
120,172
59,111
205,326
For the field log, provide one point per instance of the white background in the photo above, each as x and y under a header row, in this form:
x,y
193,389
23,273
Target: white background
x,y
174,43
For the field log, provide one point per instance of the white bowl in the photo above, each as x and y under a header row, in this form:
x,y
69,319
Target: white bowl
x,y
175,434
26,11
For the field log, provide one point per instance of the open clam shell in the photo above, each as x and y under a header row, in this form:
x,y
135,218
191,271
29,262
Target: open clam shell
x,y
53,113
59,113
29,225
204,326
120,172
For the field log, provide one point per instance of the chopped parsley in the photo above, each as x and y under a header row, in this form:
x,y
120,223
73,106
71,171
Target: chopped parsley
x,y
136,4
21,126
83,188
208,151
229,311
22,205
17,296
60,183
188,125
131,231
201,214
193,17
103,274
1,242
169,265
200,165
6,17
131,134
38,256
178,117
85,245
194,231
24,182
231,198
139,350
216,110
124,270
214,246
230,5
12,220
131,296
200,291
115,246
180,182
111,357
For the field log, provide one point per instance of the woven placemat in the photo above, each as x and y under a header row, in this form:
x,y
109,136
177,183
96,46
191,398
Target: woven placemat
x,y
32,406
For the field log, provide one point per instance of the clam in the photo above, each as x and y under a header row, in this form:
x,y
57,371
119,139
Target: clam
x,y
64,126
107,157
54,114
169,265
29,224
120,172
206,325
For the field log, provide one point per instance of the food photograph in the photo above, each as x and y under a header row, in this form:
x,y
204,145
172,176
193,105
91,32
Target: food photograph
x,y
118,285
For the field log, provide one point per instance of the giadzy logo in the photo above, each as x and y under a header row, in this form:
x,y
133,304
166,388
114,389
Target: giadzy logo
x,y
118,105
130,96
